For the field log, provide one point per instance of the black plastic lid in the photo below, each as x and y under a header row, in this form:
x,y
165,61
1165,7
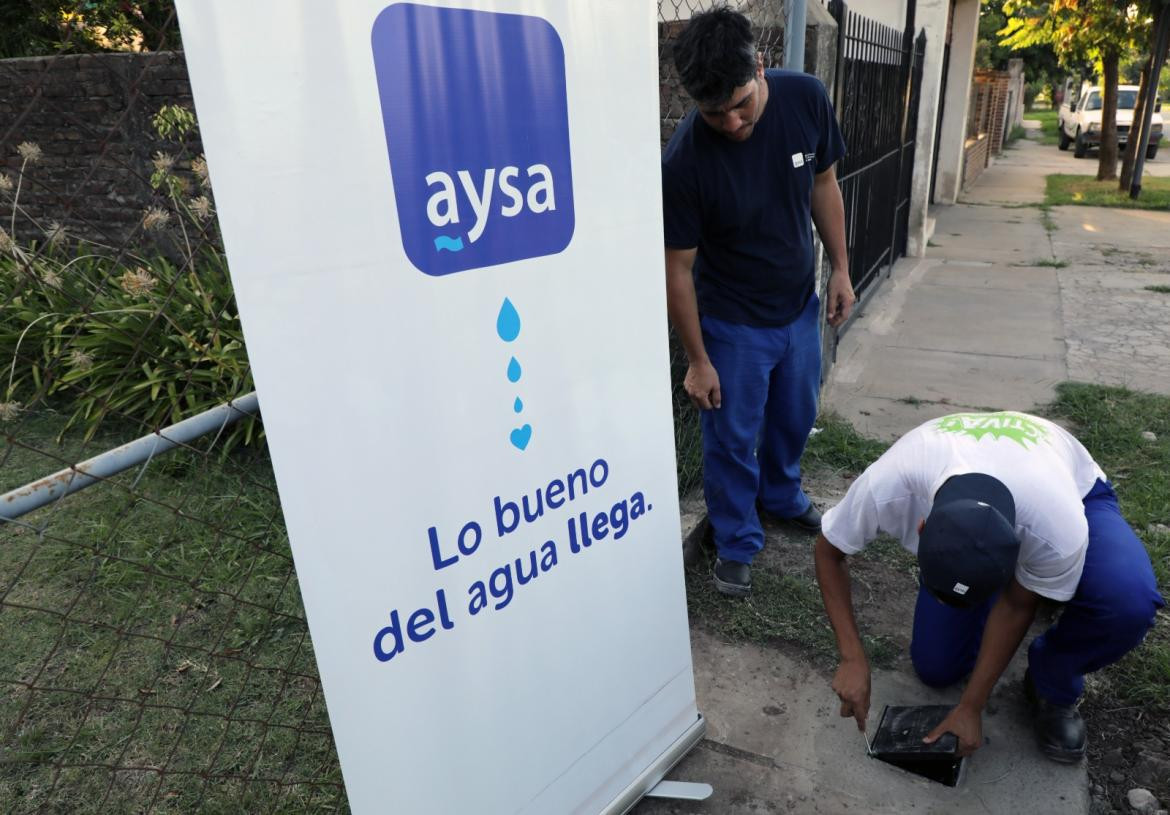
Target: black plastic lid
x,y
901,730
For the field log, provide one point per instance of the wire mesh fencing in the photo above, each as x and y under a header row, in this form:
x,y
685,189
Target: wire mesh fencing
x,y
154,653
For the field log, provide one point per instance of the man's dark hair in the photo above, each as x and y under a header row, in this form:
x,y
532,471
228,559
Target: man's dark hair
x,y
715,54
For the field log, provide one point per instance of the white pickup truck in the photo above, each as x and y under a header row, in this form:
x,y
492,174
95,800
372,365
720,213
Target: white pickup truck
x,y
1080,119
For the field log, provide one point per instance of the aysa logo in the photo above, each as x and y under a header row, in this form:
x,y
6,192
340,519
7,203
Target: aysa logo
x,y
477,129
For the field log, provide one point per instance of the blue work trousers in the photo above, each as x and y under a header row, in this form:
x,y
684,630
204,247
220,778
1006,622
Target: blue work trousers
x,y
769,379
1113,608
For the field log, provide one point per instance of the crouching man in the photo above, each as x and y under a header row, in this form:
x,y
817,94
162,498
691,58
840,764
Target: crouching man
x,y
1001,510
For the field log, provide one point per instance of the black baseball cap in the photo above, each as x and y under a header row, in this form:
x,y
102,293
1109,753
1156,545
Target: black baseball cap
x,y
968,548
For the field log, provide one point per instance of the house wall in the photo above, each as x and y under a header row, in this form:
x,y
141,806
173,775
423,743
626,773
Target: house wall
x,y
889,12
952,142
930,16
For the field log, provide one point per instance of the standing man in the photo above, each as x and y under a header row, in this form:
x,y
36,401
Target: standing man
x,y
744,178
1001,509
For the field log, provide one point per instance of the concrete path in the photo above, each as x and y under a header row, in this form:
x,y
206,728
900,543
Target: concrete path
x,y
1017,177
1010,302
775,743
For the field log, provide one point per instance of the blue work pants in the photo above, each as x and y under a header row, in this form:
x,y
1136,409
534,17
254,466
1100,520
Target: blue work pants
x,y
1113,608
769,379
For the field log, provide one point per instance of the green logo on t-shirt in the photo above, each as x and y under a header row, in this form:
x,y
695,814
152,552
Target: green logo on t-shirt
x,y
1003,425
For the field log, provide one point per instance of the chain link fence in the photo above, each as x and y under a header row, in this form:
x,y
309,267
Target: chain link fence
x,y
154,654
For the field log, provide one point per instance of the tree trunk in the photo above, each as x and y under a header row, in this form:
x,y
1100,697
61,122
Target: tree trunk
x,y
1131,144
1107,163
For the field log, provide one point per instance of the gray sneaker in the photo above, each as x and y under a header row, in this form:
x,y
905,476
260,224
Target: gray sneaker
x,y
733,578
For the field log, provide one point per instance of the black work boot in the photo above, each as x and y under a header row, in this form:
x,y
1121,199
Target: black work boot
x,y
733,578
809,520
1060,730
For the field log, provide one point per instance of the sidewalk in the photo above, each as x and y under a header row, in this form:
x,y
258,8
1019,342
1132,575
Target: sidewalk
x,y
1008,304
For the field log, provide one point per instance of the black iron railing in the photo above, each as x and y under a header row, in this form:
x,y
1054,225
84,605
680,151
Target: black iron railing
x,y
879,76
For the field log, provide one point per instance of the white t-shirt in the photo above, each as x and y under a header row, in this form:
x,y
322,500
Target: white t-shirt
x,y
1046,469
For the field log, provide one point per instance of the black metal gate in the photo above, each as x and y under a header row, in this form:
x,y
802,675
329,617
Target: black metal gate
x,y
879,78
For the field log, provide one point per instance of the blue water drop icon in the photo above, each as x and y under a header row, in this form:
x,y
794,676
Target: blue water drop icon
x,y
517,405
513,370
508,323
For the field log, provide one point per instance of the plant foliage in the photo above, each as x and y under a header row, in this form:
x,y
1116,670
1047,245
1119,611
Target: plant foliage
x,y
151,336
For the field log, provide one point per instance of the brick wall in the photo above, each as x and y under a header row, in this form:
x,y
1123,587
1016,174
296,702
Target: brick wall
x,y
990,92
974,159
90,114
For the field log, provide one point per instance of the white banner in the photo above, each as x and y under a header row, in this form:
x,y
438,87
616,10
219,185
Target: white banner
x,y
445,235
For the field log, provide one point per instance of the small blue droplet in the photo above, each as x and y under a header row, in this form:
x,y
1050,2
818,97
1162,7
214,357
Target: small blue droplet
x,y
508,323
518,405
513,370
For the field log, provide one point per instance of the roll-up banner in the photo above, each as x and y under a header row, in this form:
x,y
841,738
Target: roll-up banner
x,y
444,229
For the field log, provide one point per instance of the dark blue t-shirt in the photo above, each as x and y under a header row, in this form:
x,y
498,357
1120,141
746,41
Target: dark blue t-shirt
x,y
747,205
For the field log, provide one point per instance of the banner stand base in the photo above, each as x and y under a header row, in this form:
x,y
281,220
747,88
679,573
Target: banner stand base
x,y
681,791
652,776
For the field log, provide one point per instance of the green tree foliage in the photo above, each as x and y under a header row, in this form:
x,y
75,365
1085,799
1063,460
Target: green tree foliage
x,y
44,27
1042,69
1084,32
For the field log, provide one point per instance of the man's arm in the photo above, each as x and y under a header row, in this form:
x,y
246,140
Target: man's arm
x,y
1006,625
702,380
852,681
828,213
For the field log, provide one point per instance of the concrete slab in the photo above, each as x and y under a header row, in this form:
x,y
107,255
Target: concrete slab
x,y
1017,176
773,729
1121,331
972,219
957,335
976,274
962,234
985,380
1147,230
888,418
984,320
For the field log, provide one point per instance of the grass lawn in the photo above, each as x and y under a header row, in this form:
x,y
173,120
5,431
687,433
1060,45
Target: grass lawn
x,y
154,654
785,606
153,649
1084,190
1048,127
